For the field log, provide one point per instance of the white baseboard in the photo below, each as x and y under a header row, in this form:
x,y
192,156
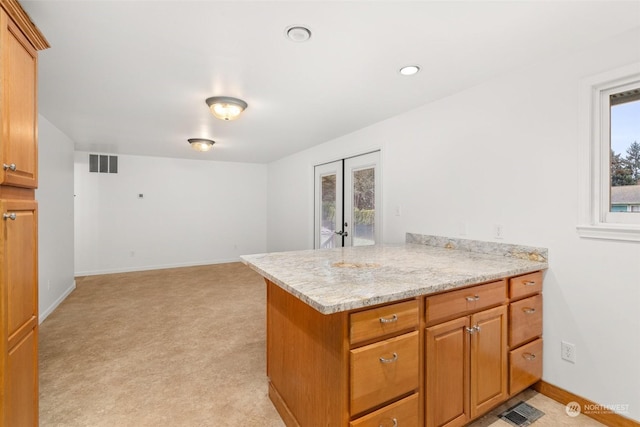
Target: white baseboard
x,y
44,314
152,267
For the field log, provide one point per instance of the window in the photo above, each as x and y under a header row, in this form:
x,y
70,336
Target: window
x,y
610,155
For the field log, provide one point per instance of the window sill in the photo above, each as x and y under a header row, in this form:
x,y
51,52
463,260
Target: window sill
x,y
624,232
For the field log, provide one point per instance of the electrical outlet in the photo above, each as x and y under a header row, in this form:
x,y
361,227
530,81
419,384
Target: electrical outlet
x,y
498,231
568,351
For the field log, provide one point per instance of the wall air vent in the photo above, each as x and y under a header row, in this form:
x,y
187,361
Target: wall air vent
x,y
103,164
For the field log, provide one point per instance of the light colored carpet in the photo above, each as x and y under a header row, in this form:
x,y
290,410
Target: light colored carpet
x,y
177,347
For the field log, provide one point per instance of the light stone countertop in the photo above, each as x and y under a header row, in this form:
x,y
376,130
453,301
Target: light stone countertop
x,y
341,279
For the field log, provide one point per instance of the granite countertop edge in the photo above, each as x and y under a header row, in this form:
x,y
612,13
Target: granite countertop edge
x,y
500,256
397,296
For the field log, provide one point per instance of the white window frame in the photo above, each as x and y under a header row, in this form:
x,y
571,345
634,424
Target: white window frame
x,y
595,219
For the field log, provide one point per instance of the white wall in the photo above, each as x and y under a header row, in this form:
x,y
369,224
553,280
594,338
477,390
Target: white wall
x,y
193,212
55,217
504,152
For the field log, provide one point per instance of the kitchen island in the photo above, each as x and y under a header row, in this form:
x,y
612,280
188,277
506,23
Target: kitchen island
x,y
412,334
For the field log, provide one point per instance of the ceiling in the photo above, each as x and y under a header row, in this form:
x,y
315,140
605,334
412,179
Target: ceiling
x,y
131,77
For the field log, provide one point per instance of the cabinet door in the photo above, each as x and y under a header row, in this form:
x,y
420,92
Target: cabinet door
x,y
488,359
447,374
20,266
18,107
19,312
22,382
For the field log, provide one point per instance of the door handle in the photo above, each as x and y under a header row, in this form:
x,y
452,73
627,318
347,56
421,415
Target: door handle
x,y
342,233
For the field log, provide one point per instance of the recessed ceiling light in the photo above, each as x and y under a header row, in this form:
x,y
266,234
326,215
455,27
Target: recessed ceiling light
x,y
409,70
298,33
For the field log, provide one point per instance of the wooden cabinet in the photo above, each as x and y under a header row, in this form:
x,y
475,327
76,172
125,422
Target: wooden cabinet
x,y
525,331
383,321
466,358
383,371
401,413
18,69
447,373
386,369
19,311
443,359
19,42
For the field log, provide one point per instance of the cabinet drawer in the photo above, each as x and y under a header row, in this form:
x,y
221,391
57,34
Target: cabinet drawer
x,y
402,413
383,371
525,320
525,366
455,303
385,320
528,284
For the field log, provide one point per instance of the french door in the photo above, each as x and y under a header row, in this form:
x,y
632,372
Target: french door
x,y
347,198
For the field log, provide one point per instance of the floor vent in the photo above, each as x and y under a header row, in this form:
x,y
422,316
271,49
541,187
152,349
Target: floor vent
x,y
521,415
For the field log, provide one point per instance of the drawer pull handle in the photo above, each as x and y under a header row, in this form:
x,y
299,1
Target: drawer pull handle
x,y
12,166
393,359
529,283
393,318
473,298
11,216
395,422
529,310
529,356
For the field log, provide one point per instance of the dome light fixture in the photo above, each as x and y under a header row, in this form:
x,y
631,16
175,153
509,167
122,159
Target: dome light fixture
x,y
298,33
409,70
201,144
226,107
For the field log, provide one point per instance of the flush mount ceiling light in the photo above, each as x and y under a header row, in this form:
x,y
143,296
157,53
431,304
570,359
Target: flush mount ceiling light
x,y
226,107
298,33
409,70
201,144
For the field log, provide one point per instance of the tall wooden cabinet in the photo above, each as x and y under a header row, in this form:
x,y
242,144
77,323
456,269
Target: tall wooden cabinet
x,y
466,357
19,42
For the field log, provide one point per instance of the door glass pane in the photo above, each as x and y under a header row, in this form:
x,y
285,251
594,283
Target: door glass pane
x,y
364,208
328,211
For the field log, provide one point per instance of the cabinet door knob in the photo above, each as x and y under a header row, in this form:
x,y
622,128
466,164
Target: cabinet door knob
x,y
391,319
12,166
473,298
529,283
529,356
472,330
11,216
529,310
393,359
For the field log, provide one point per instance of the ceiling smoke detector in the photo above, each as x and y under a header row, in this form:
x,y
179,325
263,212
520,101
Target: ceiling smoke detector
x,y
298,34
